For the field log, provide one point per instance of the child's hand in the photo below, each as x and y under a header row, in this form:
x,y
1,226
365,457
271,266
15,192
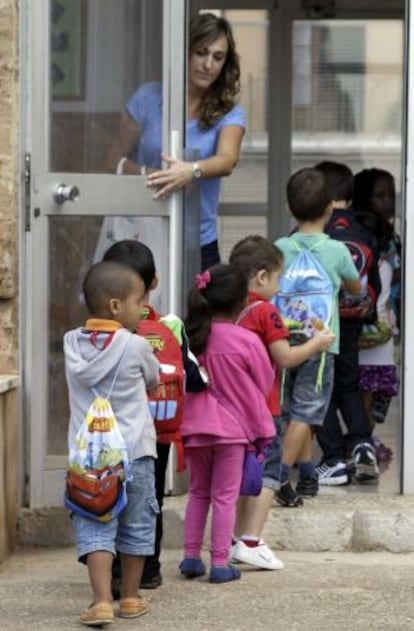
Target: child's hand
x,y
324,339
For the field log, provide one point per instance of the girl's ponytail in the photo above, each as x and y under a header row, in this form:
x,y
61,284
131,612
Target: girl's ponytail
x,y
220,291
199,314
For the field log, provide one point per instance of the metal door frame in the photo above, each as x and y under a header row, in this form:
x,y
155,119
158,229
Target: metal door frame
x,y
42,485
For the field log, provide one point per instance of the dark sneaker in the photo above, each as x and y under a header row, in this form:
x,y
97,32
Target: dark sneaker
x,y
286,496
366,466
151,582
307,487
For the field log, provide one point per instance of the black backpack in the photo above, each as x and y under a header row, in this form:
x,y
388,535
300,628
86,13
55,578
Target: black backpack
x,y
344,227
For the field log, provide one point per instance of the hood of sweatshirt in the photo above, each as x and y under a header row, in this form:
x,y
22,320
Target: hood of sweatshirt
x,y
91,362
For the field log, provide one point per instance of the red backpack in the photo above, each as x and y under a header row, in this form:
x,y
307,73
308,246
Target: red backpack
x,y
166,400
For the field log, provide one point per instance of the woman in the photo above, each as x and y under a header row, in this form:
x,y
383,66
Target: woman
x,y
215,127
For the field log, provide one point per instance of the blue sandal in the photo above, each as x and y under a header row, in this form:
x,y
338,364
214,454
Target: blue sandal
x,y
219,574
191,567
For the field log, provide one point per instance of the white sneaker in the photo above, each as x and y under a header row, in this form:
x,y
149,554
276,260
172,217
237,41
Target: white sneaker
x,y
332,474
259,556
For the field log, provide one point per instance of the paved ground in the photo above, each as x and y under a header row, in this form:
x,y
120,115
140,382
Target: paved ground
x,y
46,589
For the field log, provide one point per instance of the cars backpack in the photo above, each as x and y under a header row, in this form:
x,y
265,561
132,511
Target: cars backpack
x,y
164,334
98,466
347,231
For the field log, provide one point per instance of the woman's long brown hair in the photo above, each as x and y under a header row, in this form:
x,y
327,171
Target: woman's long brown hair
x,y
221,96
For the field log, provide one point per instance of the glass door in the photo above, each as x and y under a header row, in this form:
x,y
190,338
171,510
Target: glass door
x,y
343,102
99,70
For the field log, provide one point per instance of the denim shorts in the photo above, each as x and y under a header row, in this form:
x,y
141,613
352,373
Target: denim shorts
x,y
133,531
271,469
302,400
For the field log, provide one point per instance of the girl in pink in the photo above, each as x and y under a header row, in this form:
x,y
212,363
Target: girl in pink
x,y
220,421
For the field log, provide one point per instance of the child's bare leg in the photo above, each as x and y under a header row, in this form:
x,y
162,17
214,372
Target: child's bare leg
x,y
242,508
250,548
306,453
294,441
255,514
132,568
99,569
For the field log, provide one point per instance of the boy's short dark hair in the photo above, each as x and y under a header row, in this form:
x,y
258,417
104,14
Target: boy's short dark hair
x,y
135,254
254,253
308,195
104,281
340,179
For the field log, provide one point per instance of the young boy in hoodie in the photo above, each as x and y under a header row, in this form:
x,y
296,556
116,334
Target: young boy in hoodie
x,y
138,256
114,295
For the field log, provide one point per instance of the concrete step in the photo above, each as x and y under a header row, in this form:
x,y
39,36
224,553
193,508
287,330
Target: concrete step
x,y
353,522
357,522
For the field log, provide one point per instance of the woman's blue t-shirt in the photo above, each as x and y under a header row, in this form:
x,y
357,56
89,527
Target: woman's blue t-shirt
x,y
145,107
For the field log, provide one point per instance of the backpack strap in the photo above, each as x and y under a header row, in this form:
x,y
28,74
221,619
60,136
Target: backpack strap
x,y
247,310
299,247
108,396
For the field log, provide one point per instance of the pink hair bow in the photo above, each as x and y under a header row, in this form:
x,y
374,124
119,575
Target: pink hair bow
x,y
202,280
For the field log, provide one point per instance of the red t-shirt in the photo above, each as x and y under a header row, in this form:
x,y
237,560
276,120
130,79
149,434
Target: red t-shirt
x,y
265,320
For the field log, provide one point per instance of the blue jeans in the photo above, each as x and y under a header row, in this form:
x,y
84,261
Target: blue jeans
x,y
133,531
302,400
271,470
209,255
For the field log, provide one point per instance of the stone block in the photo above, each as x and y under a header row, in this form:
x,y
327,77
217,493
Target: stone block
x,y
309,530
391,530
48,526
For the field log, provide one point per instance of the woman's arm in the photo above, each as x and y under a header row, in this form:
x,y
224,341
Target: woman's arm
x,y
180,173
123,147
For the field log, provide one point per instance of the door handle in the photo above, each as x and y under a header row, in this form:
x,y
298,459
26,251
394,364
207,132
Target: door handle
x,y
64,193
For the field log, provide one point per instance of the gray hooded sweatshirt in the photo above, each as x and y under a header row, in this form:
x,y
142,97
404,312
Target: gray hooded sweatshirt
x,y
89,367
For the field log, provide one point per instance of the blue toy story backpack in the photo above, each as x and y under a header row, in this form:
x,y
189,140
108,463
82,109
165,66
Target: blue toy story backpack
x,y
304,299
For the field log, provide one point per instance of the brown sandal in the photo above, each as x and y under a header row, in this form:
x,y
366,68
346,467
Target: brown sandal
x,y
133,607
97,615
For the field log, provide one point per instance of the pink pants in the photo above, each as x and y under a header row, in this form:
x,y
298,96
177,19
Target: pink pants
x,y
215,478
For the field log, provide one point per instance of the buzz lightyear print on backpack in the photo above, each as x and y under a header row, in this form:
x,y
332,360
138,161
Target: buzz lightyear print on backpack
x,y
304,299
98,467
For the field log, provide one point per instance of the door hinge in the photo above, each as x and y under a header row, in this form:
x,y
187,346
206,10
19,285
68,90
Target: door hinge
x,y
27,184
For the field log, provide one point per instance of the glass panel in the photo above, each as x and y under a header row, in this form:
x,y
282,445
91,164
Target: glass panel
x,y
101,52
347,93
75,243
347,104
248,184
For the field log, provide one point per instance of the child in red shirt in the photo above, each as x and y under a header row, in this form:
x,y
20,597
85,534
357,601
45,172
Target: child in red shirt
x,y
261,262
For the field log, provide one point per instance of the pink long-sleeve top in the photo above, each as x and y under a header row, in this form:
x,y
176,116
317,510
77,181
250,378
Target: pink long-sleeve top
x,y
233,407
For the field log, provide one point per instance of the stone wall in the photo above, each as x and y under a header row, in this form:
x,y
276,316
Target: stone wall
x,y
9,265
9,166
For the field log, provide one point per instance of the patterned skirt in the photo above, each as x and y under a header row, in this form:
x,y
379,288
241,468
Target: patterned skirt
x,y
379,379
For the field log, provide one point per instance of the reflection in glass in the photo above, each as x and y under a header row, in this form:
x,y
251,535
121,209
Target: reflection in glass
x,y
75,243
101,51
347,93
